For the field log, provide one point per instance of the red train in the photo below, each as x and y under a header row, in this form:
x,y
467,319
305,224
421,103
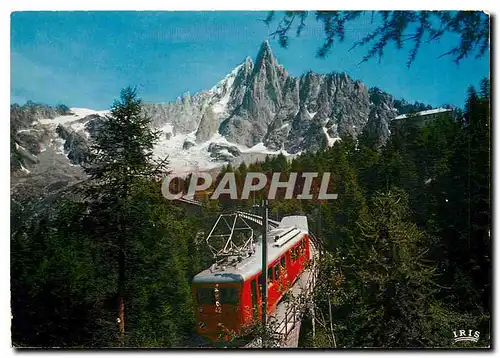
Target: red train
x,y
228,299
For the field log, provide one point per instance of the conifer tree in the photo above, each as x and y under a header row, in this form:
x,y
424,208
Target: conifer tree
x,y
464,211
120,162
379,286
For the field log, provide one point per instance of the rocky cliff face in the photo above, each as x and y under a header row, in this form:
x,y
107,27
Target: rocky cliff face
x,y
209,125
204,111
382,112
184,114
263,97
37,161
26,135
75,144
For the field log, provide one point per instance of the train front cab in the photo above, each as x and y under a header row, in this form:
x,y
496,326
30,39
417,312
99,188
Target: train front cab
x,y
218,315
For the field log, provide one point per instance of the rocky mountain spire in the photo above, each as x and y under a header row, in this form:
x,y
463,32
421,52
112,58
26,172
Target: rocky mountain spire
x,y
265,56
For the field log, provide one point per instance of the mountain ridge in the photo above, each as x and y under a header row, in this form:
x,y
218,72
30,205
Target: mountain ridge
x,y
258,107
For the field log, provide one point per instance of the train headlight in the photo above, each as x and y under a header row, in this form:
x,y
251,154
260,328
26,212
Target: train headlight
x,y
200,309
202,325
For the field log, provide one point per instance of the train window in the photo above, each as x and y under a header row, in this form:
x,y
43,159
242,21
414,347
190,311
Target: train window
x,y
270,274
277,271
205,296
283,263
228,295
254,298
261,283
254,291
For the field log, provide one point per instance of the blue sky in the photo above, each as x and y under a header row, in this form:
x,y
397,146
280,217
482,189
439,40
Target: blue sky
x,y
83,59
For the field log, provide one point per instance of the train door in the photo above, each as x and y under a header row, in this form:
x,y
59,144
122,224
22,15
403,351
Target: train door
x,y
255,300
281,275
308,247
304,256
296,261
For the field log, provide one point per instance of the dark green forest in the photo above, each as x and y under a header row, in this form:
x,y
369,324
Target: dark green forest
x,y
108,262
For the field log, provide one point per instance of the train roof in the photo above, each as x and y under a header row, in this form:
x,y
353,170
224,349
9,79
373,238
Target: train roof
x,y
290,231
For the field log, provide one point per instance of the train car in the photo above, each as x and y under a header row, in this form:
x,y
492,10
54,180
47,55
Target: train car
x,y
228,296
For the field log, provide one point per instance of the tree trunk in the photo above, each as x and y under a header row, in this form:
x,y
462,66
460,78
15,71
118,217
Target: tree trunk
x,y
331,322
122,322
121,304
313,320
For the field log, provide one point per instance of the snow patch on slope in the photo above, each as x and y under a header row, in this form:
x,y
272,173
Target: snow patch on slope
x,y
424,113
25,170
78,113
221,106
223,91
331,140
226,81
187,160
181,160
198,157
